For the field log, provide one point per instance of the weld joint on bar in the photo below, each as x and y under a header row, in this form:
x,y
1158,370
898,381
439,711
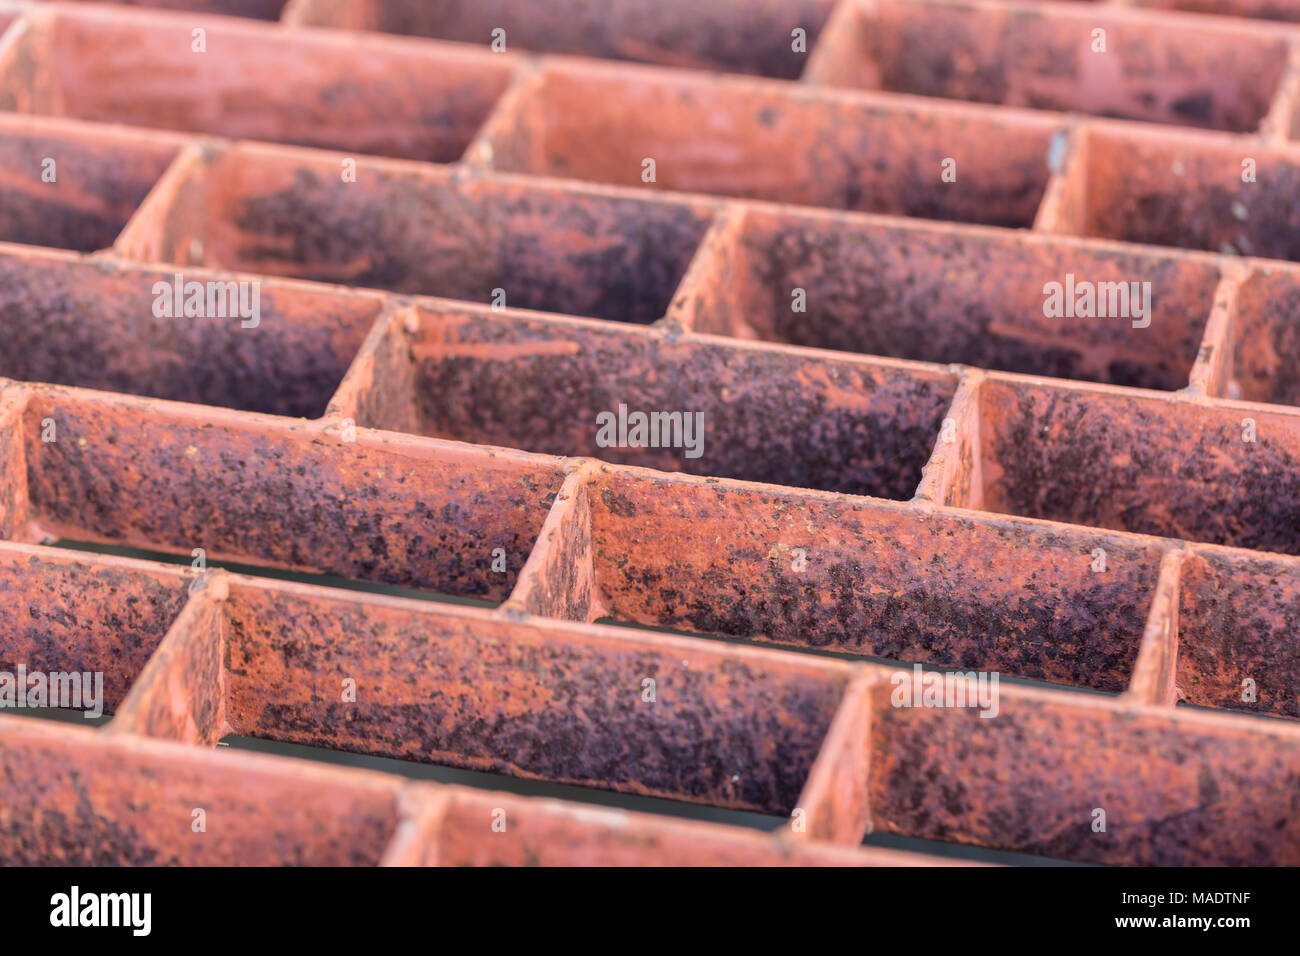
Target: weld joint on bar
x,y
15,496
558,579
163,701
1155,668
398,319
422,814
1212,369
959,427
1275,127
1059,211
480,154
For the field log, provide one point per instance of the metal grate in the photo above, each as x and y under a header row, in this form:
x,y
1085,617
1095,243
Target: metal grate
x,y
463,258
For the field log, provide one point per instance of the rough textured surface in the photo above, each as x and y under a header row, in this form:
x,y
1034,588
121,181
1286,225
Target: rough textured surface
x,y
883,582
1143,464
559,250
850,426
63,615
1175,792
1171,189
291,497
739,36
1028,54
883,289
1238,619
74,798
533,701
102,317
86,196
886,474
368,95
780,143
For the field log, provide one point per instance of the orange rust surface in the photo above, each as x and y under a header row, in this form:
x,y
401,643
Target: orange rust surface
x,y
464,255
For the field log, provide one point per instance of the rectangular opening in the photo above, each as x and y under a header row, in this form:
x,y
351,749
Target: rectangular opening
x,y
973,297
738,36
491,786
1215,76
1266,339
1237,646
1194,193
775,141
252,81
872,580
584,389
70,187
263,493
562,703
123,329
432,232
79,631
1141,463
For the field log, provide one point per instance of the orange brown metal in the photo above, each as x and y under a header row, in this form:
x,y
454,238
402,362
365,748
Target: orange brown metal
x,y
367,95
854,493
282,493
1236,647
1162,69
499,240
71,186
869,578
1224,474
1176,787
852,424
739,36
784,143
110,337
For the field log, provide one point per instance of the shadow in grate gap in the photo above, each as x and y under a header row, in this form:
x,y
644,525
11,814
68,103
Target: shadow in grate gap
x,y
632,803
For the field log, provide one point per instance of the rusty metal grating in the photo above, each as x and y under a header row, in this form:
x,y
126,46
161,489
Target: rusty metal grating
x,y
837,252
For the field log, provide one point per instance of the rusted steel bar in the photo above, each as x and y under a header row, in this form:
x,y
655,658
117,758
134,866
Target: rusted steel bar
x,y
1264,341
13,461
559,578
871,578
96,620
1142,66
71,185
743,36
654,715
501,241
883,286
1222,473
834,805
282,493
181,693
1112,782
652,129
549,833
243,80
283,346
1156,668
564,386
907,453
74,797
1213,372
1203,190
1237,647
